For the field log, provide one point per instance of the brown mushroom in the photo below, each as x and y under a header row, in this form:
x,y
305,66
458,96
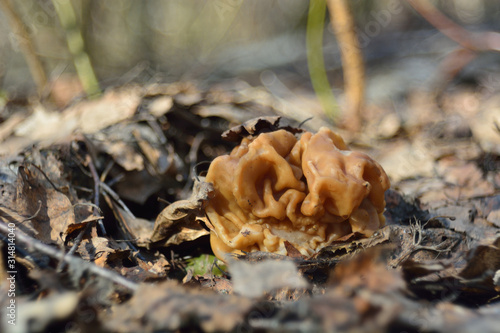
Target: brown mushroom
x,y
275,188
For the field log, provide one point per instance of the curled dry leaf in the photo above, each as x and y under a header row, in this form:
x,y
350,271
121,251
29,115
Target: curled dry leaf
x,y
256,126
178,223
101,251
354,243
89,116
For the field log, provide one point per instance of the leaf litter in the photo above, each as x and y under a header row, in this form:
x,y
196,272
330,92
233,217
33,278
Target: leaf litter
x,y
113,210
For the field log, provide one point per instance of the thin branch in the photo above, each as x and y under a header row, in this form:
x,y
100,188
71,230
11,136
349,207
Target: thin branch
x,y
116,197
46,177
418,237
192,158
33,245
194,171
352,61
476,41
97,183
35,214
304,121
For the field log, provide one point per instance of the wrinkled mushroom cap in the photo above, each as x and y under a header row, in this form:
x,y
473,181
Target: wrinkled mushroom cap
x,y
275,188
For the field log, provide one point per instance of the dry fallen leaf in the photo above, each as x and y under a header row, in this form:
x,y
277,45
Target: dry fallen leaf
x,y
253,279
367,270
133,228
89,116
177,222
254,127
46,209
101,251
167,306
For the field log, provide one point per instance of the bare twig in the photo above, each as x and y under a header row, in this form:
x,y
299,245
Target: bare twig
x,y
418,237
470,42
75,246
35,214
116,197
33,245
106,170
476,41
195,168
97,183
304,121
192,158
90,205
46,177
352,61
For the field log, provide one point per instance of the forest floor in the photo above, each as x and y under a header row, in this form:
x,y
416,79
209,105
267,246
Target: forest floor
x,y
81,189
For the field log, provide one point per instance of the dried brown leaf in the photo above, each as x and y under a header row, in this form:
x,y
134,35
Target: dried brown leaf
x,y
80,225
253,279
49,211
232,113
292,252
123,154
463,180
167,306
483,261
367,270
462,218
354,243
101,251
177,222
256,126
155,156
89,116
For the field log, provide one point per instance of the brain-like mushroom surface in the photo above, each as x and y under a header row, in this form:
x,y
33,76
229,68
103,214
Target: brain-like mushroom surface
x,y
310,191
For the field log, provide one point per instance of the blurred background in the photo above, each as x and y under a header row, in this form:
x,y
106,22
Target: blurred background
x,y
261,42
